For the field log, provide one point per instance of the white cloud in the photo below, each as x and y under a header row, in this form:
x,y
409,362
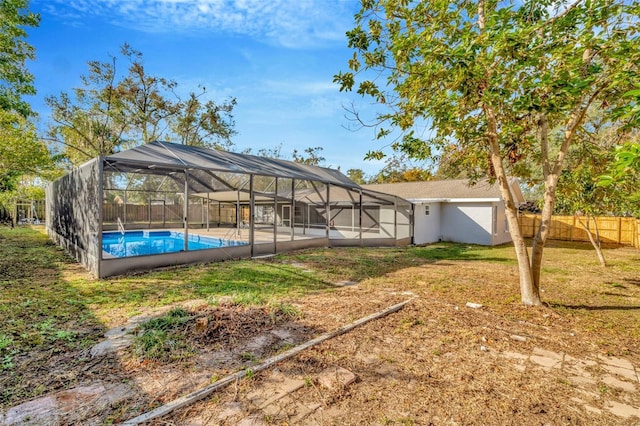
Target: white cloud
x,y
299,88
289,23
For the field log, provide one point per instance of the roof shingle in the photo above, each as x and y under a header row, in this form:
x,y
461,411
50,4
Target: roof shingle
x,y
439,189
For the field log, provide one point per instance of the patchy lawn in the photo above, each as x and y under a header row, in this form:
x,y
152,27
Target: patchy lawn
x,y
435,361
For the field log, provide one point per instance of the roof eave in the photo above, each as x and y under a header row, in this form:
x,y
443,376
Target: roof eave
x,y
453,200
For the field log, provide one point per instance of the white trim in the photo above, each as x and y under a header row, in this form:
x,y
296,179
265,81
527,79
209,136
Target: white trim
x,y
453,200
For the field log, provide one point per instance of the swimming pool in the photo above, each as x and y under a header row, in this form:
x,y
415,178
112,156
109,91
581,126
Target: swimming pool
x,y
140,243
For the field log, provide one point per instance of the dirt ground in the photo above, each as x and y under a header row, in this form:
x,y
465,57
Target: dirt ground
x,y
433,362
437,361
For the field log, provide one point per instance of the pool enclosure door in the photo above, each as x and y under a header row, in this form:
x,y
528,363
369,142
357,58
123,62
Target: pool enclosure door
x,y
286,216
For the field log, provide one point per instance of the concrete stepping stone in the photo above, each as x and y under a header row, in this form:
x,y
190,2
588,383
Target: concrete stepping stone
x,y
546,359
578,367
305,411
612,381
229,410
251,421
346,283
68,406
591,409
111,345
257,344
616,362
628,374
581,381
274,388
283,334
517,359
622,410
335,377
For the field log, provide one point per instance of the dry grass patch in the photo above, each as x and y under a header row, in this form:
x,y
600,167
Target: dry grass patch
x,y
423,364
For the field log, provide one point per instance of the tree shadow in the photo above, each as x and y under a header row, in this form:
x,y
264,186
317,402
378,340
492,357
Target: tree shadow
x,y
48,328
52,320
632,281
575,245
594,308
359,263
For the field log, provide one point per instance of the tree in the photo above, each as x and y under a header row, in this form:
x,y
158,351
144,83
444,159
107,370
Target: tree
x,y
579,195
15,79
357,175
624,175
578,192
492,79
398,169
275,152
93,123
200,123
21,152
624,172
313,156
108,113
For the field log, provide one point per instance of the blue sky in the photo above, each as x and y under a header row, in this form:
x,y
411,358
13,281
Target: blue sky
x,y
276,57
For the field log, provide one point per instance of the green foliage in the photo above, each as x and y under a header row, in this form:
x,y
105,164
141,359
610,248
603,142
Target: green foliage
x,y
400,169
491,81
162,346
445,65
624,175
357,175
20,149
5,341
311,156
163,338
631,112
110,112
283,310
578,189
275,152
204,123
21,152
15,79
174,318
6,354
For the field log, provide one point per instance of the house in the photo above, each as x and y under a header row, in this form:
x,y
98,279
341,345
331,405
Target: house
x,y
453,210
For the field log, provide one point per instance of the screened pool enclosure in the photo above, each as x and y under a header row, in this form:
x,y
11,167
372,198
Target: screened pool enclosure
x,y
163,204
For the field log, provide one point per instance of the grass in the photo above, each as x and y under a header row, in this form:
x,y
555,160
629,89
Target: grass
x,y
163,338
246,282
46,296
171,337
50,306
359,264
37,305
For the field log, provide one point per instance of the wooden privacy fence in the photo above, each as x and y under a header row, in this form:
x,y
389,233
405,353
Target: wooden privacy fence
x,y
167,213
616,230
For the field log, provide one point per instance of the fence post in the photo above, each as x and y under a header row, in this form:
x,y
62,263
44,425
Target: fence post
x,y
573,225
619,230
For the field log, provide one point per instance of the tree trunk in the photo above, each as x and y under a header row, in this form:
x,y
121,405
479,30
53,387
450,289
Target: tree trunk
x,y
540,239
529,288
595,242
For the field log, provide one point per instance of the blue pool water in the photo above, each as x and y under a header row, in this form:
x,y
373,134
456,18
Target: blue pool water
x,y
139,243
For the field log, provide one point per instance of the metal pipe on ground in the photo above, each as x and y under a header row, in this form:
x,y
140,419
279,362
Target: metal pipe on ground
x,y
208,390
